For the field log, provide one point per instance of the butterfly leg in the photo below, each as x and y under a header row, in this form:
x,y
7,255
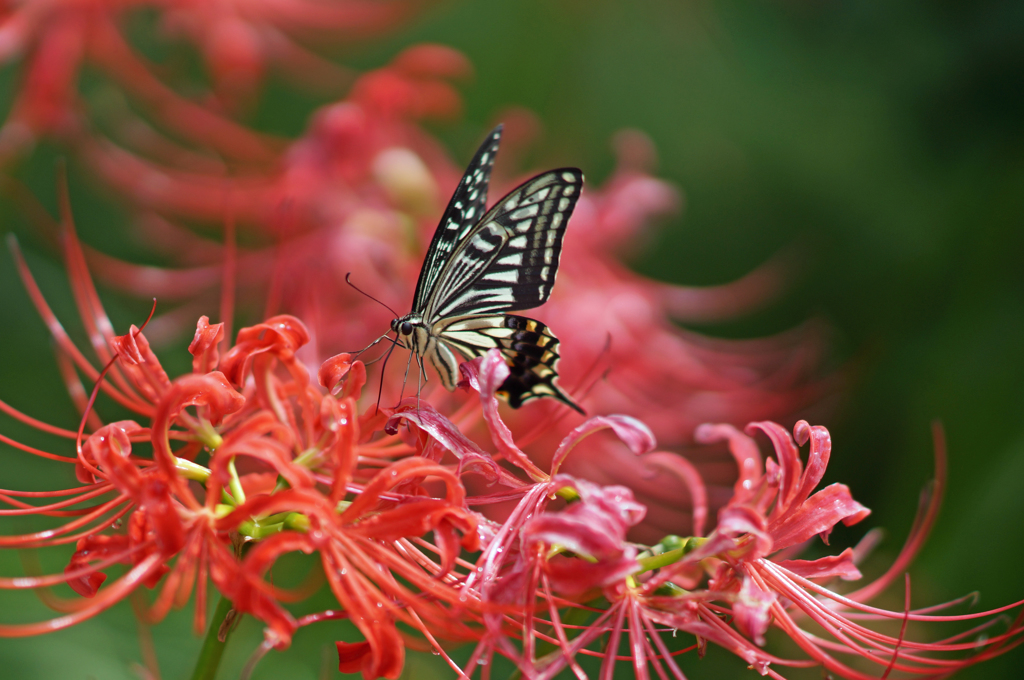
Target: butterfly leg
x,y
371,345
405,379
380,388
420,379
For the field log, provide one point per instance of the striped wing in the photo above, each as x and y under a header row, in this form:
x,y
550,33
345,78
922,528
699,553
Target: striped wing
x,y
509,260
463,213
529,348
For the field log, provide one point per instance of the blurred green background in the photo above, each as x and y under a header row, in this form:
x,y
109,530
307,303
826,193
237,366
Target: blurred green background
x,y
885,139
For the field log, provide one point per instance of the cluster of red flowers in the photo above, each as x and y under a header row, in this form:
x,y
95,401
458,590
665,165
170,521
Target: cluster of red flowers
x,y
360,192
226,469
251,461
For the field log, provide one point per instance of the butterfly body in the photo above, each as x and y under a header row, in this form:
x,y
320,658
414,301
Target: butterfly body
x,y
480,266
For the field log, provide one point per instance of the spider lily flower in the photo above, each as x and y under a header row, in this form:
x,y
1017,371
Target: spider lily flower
x,y
172,536
56,40
250,461
283,458
730,587
360,193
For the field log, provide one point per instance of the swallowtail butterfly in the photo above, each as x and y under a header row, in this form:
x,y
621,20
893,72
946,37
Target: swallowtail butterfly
x,y
480,266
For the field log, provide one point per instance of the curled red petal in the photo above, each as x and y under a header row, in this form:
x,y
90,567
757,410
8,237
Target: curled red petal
x,y
110,448
593,527
351,655
340,417
343,376
751,610
249,593
486,374
445,433
140,364
279,337
575,576
203,347
633,433
832,566
93,548
817,458
395,474
415,518
788,456
817,515
577,534
743,449
734,521
113,439
211,392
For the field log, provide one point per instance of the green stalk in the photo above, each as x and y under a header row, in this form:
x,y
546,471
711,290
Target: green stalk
x,y
213,648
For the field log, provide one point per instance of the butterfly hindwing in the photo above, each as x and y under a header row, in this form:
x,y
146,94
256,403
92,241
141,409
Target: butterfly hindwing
x,y
508,262
464,211
529,348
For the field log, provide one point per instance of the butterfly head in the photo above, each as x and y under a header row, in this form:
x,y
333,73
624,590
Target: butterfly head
x,y
409,329
401,326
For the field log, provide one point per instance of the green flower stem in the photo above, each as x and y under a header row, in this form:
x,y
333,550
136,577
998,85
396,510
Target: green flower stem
x,y
190,470
213,649
568,493
268,526
663,559
235,484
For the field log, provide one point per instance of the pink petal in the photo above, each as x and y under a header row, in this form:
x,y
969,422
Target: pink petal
x,y
632,432
735,521
444,432
486,374
817,515
840,565
203,347
788,456
751,611
743,449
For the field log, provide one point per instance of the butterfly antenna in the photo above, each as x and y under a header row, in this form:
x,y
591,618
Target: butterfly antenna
x,y
358,290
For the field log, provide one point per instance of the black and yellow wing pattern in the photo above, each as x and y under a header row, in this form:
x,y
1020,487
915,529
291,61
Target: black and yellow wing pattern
x,y
478,267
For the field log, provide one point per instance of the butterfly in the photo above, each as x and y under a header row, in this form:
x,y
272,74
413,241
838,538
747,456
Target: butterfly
x,y
479,266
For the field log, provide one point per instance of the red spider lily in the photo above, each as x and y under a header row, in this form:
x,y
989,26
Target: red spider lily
x,y
360,194
56,39
225,469
253,412
730,587
291,468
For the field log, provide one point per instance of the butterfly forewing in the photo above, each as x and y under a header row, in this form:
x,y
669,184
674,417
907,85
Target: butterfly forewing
x,y
462,214
509,260
482,265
